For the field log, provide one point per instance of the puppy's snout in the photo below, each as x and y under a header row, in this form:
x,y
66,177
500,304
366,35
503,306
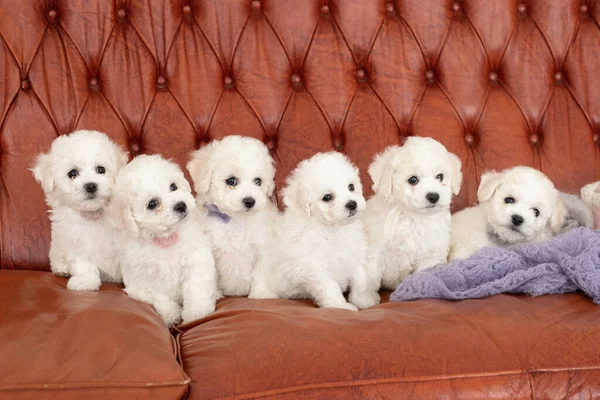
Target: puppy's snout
x,y
90,187
180,207
517,219
351,205
432,197
249,202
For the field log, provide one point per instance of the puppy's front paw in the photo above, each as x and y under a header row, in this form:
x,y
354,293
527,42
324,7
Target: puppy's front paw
x,y
169,311
345,306
59,268
197,311
364,300
84,282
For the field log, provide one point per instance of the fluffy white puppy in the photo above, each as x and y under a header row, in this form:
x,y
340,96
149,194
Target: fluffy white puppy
x,y
320,249
77,177
165,256
234,180
590,194
517,205
408,218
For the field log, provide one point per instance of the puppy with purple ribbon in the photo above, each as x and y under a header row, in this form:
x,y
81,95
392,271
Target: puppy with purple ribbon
x,y
234,182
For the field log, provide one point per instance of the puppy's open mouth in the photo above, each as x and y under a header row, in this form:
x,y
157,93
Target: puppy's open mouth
x,y
514,229
91,196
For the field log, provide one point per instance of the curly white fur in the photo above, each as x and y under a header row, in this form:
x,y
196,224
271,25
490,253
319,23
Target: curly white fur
x,y
82,244
408,218
517,205
165,255
590,194
235,174
320,250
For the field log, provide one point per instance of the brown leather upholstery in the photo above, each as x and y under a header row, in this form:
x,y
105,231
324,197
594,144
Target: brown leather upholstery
x,y
56,343
499,82
500,347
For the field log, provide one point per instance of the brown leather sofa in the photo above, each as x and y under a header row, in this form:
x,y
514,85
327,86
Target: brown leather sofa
x,y
498,82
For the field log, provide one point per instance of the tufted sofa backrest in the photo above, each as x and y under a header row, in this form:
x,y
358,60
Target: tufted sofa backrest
x,y
499,82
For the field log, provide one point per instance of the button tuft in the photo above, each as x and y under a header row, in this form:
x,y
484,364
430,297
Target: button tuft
x,y
228,82
52,14
93,83
337,143
325,9
256,4
389,8
135,148
596,137
161,81
469,139
456,6
296,79
361,75
187,10
522,8
430,75
583,8
494,77
270,144
534,139
25,85
122,13
558,77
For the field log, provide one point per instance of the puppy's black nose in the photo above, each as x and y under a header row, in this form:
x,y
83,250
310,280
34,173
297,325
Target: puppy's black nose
x,y
249,202
517,219
180,207
432,197
90,187
351,205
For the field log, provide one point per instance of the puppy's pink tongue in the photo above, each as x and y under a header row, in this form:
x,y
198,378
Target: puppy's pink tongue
x,y
166,242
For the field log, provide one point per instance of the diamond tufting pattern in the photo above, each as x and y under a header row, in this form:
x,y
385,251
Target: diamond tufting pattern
x,y
498,82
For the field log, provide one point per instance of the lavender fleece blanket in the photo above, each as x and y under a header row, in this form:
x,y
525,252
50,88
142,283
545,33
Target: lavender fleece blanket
x,y
566,263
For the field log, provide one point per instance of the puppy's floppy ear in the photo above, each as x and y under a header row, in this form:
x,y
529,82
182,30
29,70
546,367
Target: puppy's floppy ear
x,y
42,172
296,197
200,171
557,219
455,166
119,212
122,157
381,172
487,186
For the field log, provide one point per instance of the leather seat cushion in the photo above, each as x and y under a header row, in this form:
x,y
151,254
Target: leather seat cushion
x,y
61,343
503,347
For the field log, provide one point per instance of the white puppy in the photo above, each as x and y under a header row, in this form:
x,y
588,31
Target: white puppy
x,y
517,205
590,194
234,180
408,217
77,177
320,249
165,255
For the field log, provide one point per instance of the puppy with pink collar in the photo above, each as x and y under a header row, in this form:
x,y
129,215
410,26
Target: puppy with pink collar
x,y
165,256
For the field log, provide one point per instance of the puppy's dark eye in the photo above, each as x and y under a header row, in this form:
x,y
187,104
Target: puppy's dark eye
x,y
73,174
509,200
536,212
327,198
173,187
231,181
100,169
440,177
351,187
152,204
413,180
257,181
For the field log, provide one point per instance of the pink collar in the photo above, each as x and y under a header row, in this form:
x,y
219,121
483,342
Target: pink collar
x,y
166,242
92,215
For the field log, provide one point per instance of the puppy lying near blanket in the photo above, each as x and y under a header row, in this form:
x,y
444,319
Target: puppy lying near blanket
x,y
320,250
517,205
